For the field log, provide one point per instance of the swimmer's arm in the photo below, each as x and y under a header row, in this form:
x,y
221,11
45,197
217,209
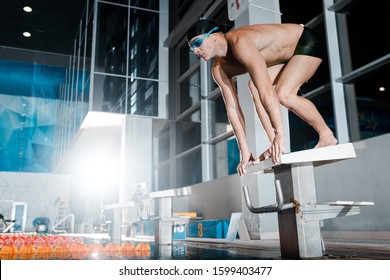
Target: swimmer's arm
x,y
248,55
233,108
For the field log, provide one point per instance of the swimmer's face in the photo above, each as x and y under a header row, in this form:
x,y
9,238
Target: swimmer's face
x,y
198,45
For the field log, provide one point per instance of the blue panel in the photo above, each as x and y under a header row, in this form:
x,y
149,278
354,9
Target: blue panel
x,y
233,156
26,138
208,229
26,79
147,228
28,110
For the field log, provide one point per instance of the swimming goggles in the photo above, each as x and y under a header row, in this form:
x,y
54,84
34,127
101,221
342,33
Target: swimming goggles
x,y
199,41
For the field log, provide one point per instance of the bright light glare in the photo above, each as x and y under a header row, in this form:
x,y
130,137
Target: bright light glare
x,y
100,171
26,34
382,89
27,9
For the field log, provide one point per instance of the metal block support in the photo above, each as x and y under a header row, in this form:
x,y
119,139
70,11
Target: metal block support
x,y
299,213
164,234
298,238
165,221
278,206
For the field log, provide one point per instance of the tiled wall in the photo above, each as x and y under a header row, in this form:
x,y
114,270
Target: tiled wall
x,y
38,190
27,133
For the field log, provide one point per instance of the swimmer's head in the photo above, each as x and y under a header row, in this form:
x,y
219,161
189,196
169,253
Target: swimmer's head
x,y
202,26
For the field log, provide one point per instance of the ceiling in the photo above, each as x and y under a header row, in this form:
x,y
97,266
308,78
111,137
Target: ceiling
x,y
53,24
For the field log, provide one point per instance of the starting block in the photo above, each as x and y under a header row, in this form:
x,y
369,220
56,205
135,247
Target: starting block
x,y
163,201
164,220
299,213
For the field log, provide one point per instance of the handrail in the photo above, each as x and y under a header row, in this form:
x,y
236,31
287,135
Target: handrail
x,y
8,227
278,206
62,221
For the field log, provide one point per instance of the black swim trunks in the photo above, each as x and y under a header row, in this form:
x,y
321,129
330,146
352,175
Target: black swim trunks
x,y
310,44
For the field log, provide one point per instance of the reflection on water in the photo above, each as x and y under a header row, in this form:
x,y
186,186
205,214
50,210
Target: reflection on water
x,y
116,252
54,247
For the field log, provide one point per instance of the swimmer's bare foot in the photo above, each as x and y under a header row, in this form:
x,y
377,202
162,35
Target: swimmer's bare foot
x,y
325,141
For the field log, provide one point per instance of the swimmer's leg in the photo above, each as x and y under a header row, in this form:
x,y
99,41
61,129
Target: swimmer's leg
x,y
297,71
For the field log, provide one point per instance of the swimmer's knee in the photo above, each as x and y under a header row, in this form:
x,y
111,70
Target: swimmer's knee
x,y
285,100
285,97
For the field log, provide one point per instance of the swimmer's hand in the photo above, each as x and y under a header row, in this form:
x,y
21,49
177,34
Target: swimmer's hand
x,y
246,157
275,150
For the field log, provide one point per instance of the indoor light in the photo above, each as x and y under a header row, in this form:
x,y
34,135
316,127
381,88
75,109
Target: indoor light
x,y
26,34
382,89
27,9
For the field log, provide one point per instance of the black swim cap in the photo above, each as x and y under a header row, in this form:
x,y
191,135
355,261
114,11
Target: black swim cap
x,y
202,26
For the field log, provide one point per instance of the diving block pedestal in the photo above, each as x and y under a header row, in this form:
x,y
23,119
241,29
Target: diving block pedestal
x,y
299,213
116,231
163,202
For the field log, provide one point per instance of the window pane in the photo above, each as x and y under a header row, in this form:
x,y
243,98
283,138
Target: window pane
x,y
188,132
300,11
189,92
221,124
368,26
108,92
192,58
142,97
86,90
185,54
144,44
162,179
163,146
89,41
123,2
177,9
187,59
146,4
213,85
373,102
189,169
111,39
227,158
